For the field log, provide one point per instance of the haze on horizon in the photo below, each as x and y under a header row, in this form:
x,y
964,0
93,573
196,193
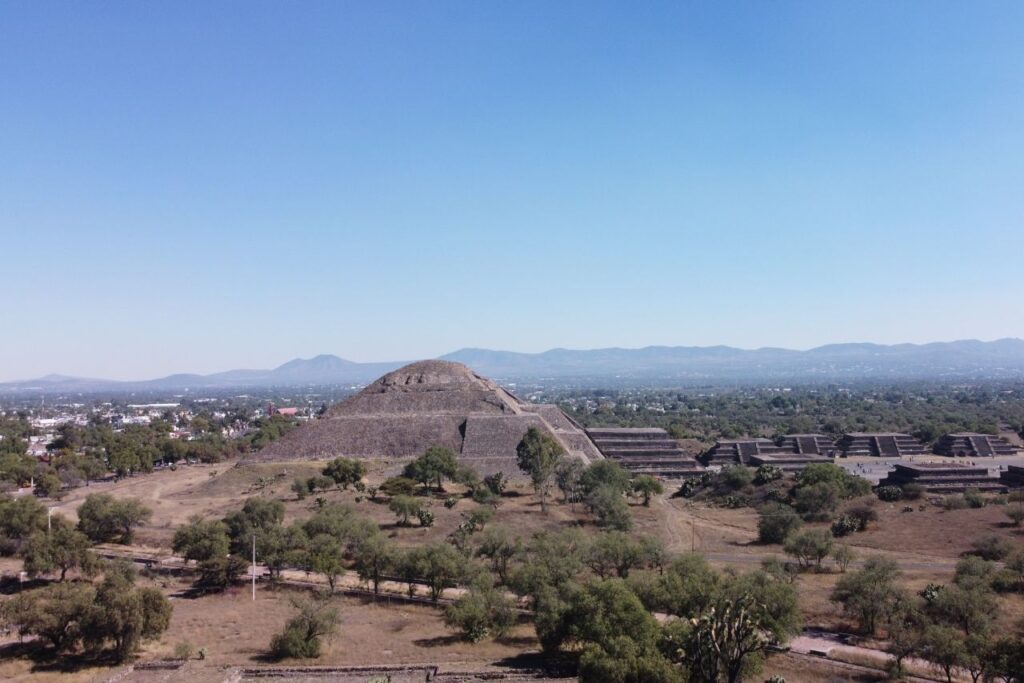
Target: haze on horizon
x,y
196,187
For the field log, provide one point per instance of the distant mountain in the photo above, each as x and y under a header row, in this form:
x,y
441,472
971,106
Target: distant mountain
x,y
967,359
1003,358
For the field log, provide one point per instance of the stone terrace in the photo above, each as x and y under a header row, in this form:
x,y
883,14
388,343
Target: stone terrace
x,y
1013,477
644,451
788,462
943,478
879,444
971,445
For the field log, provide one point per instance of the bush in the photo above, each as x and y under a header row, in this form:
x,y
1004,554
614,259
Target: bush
x,y
913,491
845,525
480,612
398,486
450,502
889,494
810,546
991,547
425,517
954,502
736,477
974,498
864,514
303,632
1016,515
767,473
496,483
817,502
184,650
775,522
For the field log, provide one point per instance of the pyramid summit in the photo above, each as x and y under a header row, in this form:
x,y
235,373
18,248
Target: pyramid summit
x,y
430,403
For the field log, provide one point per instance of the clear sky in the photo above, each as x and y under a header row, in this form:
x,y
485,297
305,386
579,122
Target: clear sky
x,y
210,185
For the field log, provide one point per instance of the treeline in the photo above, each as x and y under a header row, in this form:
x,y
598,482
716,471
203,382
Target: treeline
x,y
590,596
927,412
89,608
81,454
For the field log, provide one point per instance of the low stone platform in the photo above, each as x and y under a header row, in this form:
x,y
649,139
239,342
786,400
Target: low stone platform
x,y
971,445
879,444
788,462
644,451
944,478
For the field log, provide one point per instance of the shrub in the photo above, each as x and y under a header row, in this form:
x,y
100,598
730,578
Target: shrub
x,y
450,502
496,483
736,477
398,486
845,525
864,514
767,473
810,546
974,498
775,522
991,547
1016,515
954,502
485,496
425,517
302,634
479,613
843,555
405,507
184,650
817,502
889,494
913,491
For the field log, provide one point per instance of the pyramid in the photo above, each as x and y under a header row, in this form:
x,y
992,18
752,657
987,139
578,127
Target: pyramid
x,y
430,403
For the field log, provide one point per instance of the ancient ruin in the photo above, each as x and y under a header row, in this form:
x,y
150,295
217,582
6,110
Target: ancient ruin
x,y
944,477
792,452
970,445
879,444
644,451
1013,476
430,403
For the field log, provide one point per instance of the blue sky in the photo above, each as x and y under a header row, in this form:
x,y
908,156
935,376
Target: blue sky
x,y
201,186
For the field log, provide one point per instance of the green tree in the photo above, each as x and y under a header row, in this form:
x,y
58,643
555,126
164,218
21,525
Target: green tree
x,y
944,647
500,547
201,539
610,508
405,507
374,558
775,522
605,474
810,546
870,594
646,486
345,472
569,479
302,635
435,465
56,613
538,455
60,549
103,518
480,613
440,566
326,556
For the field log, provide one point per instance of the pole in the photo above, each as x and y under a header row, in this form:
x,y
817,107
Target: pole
x,y
254,567
49,519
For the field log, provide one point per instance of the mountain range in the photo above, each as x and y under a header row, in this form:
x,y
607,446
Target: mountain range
x,y
965,359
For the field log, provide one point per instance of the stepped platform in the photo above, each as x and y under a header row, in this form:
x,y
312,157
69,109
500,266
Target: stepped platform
x,y
808,444
745,451
737,451
971,445
644,451
1013,477
789,462
879,445
944,478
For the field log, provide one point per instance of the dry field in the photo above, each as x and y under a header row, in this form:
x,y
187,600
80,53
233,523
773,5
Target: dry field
x,y
235,631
